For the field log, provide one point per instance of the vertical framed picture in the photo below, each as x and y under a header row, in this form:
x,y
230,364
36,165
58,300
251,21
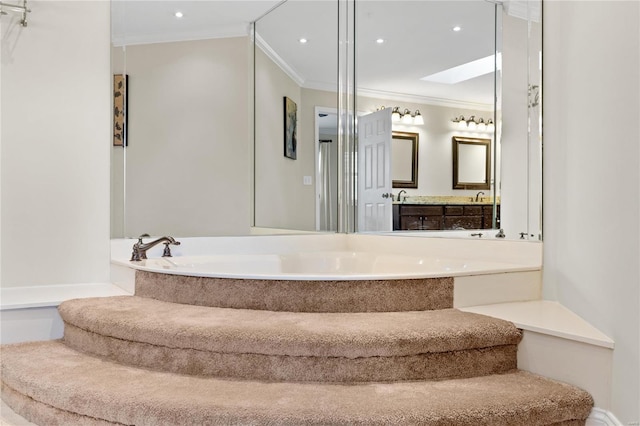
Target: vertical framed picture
x,y
290,129
119,110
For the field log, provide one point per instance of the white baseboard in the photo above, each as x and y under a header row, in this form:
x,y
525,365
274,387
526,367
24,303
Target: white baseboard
x,y
30,313
600,417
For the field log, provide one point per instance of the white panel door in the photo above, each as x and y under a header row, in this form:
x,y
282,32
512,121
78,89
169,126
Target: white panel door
x,y
374,172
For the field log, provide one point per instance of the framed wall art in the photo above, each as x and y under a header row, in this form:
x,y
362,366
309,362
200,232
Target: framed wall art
x,y
290,129
119,110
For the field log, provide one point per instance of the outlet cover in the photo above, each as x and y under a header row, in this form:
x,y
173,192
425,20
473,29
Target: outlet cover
x,y
306,180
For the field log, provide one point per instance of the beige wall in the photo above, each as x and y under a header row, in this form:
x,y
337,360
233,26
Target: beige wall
x,y
281,200
591,177
54,178
187,160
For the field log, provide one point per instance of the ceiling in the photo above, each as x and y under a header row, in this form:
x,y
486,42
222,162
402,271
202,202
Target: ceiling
x,y
153,21
418,40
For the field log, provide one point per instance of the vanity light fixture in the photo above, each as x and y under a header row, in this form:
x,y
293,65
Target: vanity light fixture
x,y
457,28
178,14
303,40
474,124
380,41
405,117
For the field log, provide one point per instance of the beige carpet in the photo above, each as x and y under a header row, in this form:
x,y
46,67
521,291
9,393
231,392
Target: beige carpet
x,y
299,296
298,358
55,375
290,345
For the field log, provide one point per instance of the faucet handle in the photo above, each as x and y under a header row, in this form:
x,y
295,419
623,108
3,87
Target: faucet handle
x,y
142,236
167,250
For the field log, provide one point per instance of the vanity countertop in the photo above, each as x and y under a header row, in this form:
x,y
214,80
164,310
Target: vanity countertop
x,y
446,200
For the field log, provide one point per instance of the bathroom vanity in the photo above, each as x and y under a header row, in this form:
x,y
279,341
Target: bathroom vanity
x,y
439,213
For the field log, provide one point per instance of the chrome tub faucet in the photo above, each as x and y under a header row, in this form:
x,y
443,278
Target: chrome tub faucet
x,y
140,249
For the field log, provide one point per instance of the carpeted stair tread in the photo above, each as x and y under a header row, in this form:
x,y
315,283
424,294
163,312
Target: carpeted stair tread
x,y
290,346
350,335
299,295
52,374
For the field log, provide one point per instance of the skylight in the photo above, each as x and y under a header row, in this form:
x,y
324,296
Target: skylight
x,y
466,71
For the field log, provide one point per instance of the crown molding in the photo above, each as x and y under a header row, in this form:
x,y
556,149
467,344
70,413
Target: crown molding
x,y
277,59
229,32
427,100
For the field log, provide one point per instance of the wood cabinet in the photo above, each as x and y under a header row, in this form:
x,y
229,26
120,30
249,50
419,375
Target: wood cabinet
x,y
424,217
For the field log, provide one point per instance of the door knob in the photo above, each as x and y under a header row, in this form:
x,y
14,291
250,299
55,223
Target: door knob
x,y
387,195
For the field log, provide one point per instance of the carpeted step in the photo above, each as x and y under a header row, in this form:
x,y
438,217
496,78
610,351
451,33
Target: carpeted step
x,y
292,346
299,295
44,380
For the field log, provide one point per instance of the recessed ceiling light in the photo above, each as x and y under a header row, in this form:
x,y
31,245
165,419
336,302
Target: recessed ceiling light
x,y
380,41
303,40
179,15
457,28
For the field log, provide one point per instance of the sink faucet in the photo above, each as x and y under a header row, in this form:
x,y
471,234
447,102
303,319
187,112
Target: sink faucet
x,y
400,193
140,249
478,194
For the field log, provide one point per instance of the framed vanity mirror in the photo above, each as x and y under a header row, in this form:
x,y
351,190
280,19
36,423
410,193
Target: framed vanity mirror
x,y
471,163
404,160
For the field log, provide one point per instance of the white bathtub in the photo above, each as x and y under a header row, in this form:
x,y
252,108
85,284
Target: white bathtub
x,y
334,257
335,265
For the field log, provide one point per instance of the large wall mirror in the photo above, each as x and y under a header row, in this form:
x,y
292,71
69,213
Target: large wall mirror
x,y
204,159
474,67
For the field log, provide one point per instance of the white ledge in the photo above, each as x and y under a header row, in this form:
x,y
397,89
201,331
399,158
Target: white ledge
x,y
53,295
546,317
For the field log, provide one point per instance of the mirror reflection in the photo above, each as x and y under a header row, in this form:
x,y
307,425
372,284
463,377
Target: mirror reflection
x,y
196,166
404,159
295,56
390,76
185,170
471,163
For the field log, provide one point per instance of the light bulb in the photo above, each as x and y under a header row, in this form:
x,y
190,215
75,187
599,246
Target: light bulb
x,y
406,117
395,115
471,123
417,119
